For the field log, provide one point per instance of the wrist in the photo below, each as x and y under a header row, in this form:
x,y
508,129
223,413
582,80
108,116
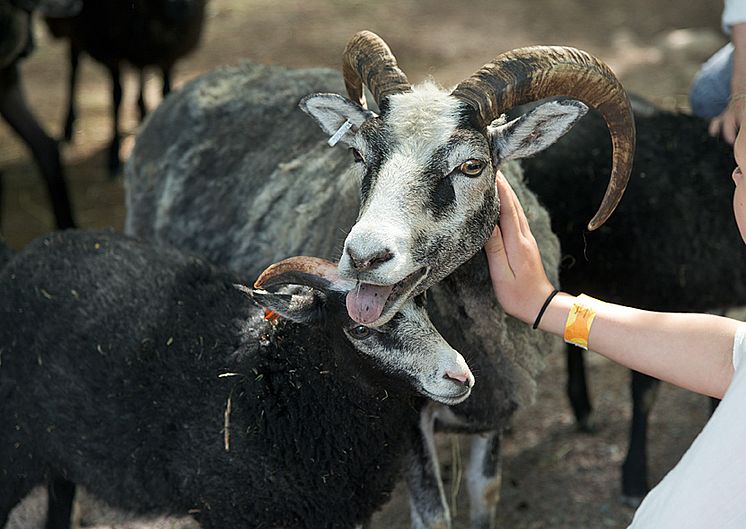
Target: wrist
x,y
529,310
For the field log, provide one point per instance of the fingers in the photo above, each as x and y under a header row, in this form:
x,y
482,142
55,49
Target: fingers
x,y
511,207
729,129
510,222
496,254
713,128
725,125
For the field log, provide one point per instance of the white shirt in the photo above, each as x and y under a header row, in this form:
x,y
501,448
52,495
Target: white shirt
x,y
734,13
707,488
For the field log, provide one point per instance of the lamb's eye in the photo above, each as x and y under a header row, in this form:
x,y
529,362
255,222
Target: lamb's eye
x,y
356,155
472,167
360,332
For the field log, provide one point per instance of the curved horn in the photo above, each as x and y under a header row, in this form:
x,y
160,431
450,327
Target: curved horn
x,y
529,74
312,272
368,59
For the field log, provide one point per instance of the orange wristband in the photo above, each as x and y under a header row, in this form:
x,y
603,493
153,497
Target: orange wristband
x,y
579,321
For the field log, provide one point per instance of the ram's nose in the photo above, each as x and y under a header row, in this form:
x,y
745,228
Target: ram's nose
x,y
368,259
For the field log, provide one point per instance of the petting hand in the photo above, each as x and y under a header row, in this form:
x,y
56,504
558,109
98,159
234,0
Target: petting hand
x,y
518,277
728,123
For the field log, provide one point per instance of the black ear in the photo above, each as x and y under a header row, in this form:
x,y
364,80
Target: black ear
x,y
305,305
339,117
534,131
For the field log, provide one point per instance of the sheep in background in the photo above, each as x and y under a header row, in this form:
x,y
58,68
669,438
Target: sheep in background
x,y
246,179
673,246
148,377
16,43
142,33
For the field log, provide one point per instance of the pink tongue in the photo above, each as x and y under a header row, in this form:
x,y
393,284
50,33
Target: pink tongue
x,y
365,302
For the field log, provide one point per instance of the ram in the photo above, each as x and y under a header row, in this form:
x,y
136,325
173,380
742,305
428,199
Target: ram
x,y
148,377
229,169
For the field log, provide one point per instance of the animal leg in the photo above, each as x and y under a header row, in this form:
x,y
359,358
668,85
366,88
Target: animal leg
x,y
72,83
426,496
577,389
141,98
635,468
44,149
166,80
2,188
116,93
484,479
61,497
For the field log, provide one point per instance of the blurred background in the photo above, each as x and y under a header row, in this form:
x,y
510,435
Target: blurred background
x,y
553,476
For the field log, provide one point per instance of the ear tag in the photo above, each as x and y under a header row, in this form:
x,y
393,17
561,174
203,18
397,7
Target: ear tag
x,y
271,316
340,132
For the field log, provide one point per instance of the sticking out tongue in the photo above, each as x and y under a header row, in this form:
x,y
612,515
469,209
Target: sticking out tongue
x,y
365,302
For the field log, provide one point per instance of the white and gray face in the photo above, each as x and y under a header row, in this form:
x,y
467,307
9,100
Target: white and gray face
x,y
409,347
428,199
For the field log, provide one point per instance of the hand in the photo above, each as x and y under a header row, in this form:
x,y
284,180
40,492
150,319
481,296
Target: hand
x,y
518,277
728,123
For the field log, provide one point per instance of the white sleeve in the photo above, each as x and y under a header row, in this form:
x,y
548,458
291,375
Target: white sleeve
x,y
734,13
739,346
708,486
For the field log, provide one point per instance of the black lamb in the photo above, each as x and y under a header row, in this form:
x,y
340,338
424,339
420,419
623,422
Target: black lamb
x,y
148,377
142,33
672,246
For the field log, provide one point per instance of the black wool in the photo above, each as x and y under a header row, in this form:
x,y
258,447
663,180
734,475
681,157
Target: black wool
x,y
144,375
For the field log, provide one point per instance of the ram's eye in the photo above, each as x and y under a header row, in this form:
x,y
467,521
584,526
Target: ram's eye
x,y
472,167
356,155
360,332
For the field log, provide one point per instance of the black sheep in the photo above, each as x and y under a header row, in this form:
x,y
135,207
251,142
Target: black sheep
x,y
16,43
671,246
148,377
142,33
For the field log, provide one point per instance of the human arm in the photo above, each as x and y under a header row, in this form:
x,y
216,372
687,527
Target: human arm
x,y
693,351
729,121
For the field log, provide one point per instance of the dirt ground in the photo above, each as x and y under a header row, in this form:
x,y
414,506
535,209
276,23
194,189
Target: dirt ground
x,y
553,476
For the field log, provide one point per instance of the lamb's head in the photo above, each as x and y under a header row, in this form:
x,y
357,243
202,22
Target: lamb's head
x,y
428,161
407,348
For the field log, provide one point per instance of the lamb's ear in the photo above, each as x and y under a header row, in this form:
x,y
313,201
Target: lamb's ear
x,y
534,131
304,306
337,116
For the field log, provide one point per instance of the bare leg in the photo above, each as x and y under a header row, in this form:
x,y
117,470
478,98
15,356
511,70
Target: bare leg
x,y
45,151
426,496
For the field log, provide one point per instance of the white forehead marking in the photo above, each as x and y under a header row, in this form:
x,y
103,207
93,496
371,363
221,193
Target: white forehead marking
x,y
423,119
419,122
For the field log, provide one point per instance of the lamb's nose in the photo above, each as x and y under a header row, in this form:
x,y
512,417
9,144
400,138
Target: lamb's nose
x,y
463,377
370,260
